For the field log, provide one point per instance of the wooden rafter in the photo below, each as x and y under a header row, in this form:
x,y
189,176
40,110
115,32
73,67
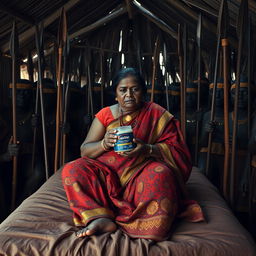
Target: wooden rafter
x,y
99,23
23,18
201,6
47,21
116,51
129,8
160,23
210,26
188,11
11,11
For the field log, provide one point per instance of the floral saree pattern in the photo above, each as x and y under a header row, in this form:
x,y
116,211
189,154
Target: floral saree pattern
x,y
142,195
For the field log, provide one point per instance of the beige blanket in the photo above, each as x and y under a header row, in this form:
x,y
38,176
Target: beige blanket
x,y
42,225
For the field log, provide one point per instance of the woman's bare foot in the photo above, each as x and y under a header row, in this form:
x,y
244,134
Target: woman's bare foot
x,y
100,225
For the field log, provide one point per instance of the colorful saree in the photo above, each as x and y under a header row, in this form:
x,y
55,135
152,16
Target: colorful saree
x,y
142,195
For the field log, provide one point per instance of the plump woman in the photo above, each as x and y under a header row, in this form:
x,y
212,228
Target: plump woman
x,y
140,191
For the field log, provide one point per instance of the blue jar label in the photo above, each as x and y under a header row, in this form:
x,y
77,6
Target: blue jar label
x,y
124,142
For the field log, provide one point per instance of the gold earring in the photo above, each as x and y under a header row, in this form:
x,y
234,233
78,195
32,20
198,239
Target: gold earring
x,y
116,98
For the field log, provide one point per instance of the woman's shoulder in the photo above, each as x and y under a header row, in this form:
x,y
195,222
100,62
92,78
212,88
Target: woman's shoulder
x,y
114,110
156,107
105,115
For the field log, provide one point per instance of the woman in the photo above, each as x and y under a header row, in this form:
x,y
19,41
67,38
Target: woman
x,y
142,190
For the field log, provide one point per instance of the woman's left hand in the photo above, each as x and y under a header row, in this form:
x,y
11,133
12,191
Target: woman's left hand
x,y
141,148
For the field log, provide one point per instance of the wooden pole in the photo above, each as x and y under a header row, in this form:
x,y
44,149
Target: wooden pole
x,y
14,45
243,15
40,85
212,116
224,43
185,79
198,37
181,66
166,77
102,75
155,62
62,36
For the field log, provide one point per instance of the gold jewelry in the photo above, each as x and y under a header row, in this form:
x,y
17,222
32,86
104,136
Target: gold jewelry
x,y
103,145
128,118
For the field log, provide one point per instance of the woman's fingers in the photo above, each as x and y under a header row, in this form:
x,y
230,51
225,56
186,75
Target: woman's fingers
x,y
110,138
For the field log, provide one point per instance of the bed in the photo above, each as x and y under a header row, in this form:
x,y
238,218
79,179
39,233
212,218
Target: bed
x,y
42,225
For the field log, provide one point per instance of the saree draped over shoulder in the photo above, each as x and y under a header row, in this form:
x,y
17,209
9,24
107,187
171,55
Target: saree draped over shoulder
x,y
142,195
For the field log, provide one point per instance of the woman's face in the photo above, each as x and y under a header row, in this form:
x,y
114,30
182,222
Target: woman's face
x,y
129,94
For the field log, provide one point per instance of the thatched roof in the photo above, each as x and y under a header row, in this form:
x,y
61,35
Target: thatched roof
x,y
97,24
94,17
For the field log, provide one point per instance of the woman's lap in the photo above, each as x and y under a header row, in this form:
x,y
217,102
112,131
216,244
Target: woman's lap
x,y
150,197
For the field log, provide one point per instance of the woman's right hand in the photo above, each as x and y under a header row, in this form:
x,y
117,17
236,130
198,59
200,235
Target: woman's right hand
x,y
110,138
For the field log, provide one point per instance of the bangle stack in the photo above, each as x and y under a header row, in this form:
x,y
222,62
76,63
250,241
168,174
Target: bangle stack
x,y
103,145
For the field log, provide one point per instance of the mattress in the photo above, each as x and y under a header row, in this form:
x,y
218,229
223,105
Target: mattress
x,y
42,225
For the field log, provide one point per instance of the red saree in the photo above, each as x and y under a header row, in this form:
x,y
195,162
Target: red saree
x,y
142,195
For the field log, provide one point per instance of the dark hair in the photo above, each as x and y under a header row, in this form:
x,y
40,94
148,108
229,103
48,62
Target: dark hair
x,y
125,72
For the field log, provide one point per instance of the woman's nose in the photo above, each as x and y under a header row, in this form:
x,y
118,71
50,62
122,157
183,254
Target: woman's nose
x,y
128,92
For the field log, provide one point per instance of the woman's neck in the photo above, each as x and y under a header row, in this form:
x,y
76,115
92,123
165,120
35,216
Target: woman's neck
x,y
123,111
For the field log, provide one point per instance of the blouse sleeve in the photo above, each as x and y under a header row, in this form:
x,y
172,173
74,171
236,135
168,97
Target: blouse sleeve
x,y
105,116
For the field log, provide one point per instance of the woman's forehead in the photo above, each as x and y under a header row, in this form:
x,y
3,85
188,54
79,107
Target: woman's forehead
x,y
128,81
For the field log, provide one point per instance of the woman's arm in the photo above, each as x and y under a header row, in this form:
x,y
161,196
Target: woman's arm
x,y
97,140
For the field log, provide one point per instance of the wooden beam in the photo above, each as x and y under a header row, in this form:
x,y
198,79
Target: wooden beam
x,y
129,8
160,23
115,51
14,13
200,5
205,8
22,17
183,8
99,23
188,11
47,21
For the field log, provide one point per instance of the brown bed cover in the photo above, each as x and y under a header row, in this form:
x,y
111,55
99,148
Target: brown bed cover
x,y
42,225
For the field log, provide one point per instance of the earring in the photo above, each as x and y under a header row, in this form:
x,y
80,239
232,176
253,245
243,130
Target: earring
x,y
116,98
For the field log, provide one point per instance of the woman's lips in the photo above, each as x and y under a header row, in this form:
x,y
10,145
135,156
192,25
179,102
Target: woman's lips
x,y
129,101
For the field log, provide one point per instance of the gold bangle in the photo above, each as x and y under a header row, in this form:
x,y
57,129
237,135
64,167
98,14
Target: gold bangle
x,y
103,145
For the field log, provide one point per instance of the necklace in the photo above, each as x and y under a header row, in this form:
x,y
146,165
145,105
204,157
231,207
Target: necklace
x,y
127,119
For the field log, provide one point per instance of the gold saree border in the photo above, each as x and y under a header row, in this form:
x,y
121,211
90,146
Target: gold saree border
x,y
168,159
144,226
128,173
148,223
161,124
167,155
92,214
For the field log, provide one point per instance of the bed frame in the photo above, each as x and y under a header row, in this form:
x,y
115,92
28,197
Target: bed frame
x,y
42,225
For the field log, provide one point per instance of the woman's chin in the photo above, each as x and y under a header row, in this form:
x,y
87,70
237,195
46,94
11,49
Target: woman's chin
x,y
132,107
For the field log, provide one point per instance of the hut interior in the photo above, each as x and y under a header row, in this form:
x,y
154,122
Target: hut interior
x,y
57,62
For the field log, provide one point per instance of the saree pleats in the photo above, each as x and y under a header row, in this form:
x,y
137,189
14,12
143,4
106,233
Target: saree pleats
x,y
142,195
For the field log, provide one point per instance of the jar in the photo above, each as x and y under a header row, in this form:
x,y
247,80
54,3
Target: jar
x,y
124,139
